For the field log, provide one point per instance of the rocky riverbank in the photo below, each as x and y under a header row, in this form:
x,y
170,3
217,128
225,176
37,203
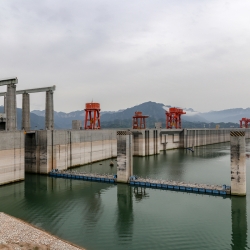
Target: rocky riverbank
x,y
17,234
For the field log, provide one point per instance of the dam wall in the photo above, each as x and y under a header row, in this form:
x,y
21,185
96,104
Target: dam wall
x,y
171,139
146,142
152,141
202,137
44,150
62,149
11,156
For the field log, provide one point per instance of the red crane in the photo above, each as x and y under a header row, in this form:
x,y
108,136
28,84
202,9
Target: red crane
x,y
244,122
173,117
139,120
92,116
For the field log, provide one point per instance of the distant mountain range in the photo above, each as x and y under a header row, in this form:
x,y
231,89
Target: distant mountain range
x,y
36,122
227,115
156,112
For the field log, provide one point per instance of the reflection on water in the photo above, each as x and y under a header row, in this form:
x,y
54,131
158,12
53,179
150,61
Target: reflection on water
x,y
140,193
107,216
208,165
239,223
125,217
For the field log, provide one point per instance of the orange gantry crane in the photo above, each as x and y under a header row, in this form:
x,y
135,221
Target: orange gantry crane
x,y
92,116
139,120
244,122
173,117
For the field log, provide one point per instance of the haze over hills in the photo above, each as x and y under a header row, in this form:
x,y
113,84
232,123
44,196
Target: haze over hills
x,y
36,122
228,115
156,112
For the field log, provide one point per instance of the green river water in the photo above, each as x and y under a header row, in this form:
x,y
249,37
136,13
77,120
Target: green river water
x,y
106,216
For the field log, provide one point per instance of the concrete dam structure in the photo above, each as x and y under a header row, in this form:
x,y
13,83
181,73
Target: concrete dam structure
x,y
125,170
62,149
152,141
43,150
12,142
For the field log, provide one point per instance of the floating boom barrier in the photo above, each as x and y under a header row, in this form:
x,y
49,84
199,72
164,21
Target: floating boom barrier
x,y
83,176
181,186
150,183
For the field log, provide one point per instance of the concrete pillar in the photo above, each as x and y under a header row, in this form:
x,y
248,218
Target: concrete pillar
x,y
26,112
184,138
76,124
238,163
151,142
124,156
157,141
146,142
49,111
4,104
11,107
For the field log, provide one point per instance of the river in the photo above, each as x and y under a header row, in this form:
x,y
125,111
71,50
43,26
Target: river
x,y
106,216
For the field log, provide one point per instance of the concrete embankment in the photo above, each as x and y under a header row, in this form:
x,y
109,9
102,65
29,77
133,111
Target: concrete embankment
x,y
17,234
62,149
11,156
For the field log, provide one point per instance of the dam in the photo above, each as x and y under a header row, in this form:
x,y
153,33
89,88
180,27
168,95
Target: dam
x,y
100,214
42,151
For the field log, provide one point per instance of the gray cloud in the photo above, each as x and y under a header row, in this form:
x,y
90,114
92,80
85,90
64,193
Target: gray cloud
x,y
121,53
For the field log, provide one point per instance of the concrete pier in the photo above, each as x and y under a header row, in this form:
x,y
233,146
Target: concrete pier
x,y
26,112
238,163
49,111
11,122
124,156
12,156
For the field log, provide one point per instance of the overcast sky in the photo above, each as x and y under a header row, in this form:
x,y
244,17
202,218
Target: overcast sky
x,y
185,53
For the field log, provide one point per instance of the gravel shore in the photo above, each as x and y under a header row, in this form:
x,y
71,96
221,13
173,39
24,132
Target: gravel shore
x,y
17,234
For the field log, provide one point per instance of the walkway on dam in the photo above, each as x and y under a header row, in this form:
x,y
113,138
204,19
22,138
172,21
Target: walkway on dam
x,y
151,183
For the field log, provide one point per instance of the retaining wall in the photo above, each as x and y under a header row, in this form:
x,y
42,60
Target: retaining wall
x,y
201,137
62,149
146,142
11,156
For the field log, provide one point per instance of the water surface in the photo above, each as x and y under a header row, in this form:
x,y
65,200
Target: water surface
x,y
106,216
